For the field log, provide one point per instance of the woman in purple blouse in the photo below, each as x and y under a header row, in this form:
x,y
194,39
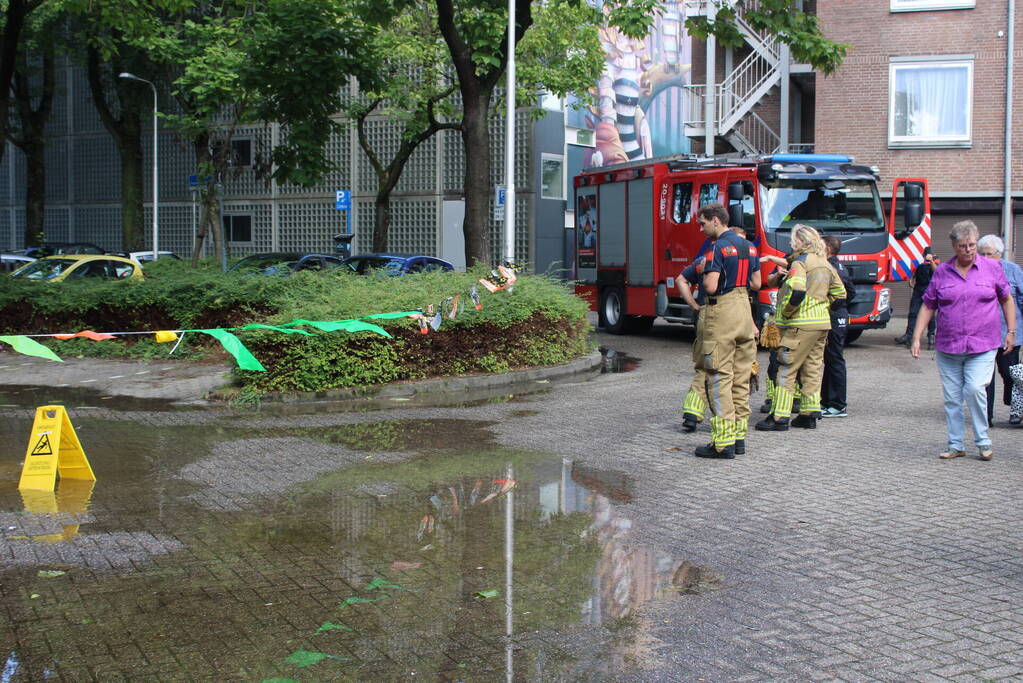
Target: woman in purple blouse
x,y
967,292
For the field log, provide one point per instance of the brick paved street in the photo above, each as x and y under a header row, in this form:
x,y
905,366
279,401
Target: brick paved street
x,y
218,541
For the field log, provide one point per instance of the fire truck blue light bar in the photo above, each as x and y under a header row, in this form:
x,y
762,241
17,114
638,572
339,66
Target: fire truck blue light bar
x,y
810,158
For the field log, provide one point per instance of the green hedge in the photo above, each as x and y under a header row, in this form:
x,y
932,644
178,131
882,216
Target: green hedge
x,y
539,323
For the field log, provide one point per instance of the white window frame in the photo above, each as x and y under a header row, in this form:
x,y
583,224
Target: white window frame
x,y
927,5
560,158
587,135
902,141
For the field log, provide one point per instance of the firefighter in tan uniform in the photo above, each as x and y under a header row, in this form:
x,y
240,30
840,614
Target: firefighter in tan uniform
x,y
726,336
804,317
694,403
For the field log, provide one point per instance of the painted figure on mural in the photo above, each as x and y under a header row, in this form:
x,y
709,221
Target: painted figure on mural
x,y
635,73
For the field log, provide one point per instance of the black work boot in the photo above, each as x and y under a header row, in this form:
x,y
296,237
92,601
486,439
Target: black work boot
x,y
689,423
766,406
770,424
903,339
709,451
804,422
740,446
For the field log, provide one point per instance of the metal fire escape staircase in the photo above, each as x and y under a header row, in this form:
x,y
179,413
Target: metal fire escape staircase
x,y
746,85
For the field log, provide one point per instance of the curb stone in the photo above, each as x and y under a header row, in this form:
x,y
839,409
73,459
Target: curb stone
x,y
453,388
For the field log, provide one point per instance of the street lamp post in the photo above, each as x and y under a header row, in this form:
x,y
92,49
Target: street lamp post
x,y
156,163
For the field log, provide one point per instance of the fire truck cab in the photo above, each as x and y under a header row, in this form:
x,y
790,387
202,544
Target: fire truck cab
x,y
636,229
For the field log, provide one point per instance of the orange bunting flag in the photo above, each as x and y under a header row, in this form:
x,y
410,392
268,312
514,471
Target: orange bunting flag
x,y
491,287
88,334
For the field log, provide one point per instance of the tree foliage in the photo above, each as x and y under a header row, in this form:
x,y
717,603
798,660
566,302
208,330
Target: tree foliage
x,y
800,31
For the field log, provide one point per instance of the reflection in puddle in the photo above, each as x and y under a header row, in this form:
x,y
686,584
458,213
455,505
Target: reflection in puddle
x,y
469,564
69,500
616,361
404,435
78,397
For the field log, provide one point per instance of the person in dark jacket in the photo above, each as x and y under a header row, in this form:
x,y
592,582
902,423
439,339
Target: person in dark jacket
x,y
833,386
921,278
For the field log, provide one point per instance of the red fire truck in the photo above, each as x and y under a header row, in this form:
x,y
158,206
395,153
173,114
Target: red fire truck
x,y
636,228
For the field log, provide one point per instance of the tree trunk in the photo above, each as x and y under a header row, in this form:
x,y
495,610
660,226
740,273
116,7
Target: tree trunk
x,y
125,127
15,14
382,218
215,223
475,138
35,192
130,148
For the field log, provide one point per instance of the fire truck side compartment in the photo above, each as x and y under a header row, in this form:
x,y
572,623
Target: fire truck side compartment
x,y
640,270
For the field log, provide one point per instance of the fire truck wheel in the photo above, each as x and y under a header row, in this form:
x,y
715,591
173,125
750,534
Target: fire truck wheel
x,y
614,320
612,309
851,336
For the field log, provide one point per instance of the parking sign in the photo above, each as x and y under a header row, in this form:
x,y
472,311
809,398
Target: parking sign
x,y
344,200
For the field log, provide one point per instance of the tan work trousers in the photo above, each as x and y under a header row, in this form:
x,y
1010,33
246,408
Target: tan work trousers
x,y
801,368
695,402
727,352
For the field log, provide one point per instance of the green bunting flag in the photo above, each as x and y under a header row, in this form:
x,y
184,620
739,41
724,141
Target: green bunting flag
x,y
29,347
346,325
234,346
388,316
260,326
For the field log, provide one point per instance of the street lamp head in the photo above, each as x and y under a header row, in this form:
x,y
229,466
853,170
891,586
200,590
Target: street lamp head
x,y
132,77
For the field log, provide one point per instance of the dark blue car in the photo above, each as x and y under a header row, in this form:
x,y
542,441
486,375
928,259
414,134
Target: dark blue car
x,y
284,263
396,264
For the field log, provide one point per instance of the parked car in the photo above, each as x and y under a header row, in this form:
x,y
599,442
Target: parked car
x,y
11,262
144,257
58,248
396,264
76,266
284,263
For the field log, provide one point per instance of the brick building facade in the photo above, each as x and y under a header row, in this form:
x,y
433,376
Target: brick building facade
x,y
956,136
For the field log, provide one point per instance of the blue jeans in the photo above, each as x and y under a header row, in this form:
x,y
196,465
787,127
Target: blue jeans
x,y
964,378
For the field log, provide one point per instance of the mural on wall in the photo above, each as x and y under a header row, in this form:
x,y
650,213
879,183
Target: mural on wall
x,y
639,105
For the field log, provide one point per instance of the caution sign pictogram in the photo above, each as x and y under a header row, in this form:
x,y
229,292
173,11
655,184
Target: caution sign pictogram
x,y
43,463
42,446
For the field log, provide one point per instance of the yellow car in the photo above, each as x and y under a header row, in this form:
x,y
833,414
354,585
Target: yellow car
x,y
76,266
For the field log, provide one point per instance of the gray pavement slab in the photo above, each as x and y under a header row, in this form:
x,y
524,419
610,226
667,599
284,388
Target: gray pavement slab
x,y
849,552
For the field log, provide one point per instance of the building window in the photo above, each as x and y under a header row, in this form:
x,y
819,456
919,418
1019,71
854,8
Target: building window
x,y
930,103
240,154
552,176
238,228
922,5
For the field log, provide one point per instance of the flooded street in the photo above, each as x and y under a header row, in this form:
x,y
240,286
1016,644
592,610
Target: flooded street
x,y
464,561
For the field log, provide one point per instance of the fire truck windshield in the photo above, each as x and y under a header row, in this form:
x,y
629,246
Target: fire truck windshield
x,y
830,205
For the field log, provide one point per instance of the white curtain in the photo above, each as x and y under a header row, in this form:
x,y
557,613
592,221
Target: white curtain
x,y
931,101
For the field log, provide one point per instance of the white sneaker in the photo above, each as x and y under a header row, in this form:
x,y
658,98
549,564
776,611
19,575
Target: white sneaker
x,y
833,412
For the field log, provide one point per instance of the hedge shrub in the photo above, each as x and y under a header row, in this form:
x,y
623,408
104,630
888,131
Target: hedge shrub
x,y
539,323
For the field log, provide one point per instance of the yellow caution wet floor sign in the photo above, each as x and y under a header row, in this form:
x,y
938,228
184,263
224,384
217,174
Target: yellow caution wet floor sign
x,y
53,449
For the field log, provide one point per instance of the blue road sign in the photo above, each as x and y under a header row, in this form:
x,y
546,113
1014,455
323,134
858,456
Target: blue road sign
x,y
344,200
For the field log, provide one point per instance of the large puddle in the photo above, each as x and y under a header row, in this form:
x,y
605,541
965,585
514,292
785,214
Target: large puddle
x,y
307,555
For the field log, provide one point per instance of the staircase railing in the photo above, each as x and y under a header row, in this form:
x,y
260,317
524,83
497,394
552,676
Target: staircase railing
x,y
743,88
757,135
694,98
